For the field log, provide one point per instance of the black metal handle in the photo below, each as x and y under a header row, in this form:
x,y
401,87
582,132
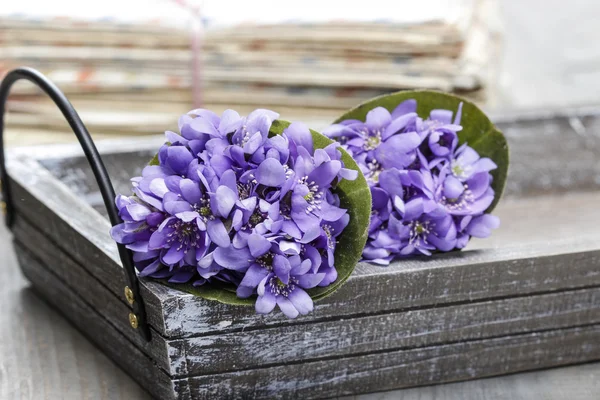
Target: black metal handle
x,y
138,319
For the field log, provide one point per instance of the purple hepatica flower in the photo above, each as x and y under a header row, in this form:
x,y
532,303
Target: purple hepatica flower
x,y
384,140
428,195
466,162
285,285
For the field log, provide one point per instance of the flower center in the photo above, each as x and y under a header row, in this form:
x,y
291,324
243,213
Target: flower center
x,y
186,234
244,190
266,261
256,218
460,203
372,141
203,208
372,174
245,137
419,231
329,233
313,197
460,171
279,288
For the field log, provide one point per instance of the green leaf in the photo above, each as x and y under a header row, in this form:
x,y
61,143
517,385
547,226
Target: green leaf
x,y
478,131
355,196
154,160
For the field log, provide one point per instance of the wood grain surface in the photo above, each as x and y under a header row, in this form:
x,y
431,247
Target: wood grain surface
x,y
43,357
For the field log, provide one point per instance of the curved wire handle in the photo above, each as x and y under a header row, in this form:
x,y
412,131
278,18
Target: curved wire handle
x,y
138,318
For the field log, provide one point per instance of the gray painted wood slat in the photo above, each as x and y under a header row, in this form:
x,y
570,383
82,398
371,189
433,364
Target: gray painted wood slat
x,y
412,283
242,350
386,371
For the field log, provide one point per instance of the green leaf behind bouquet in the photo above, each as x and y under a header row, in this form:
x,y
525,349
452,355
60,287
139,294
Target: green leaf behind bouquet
x,y
355,196
478,131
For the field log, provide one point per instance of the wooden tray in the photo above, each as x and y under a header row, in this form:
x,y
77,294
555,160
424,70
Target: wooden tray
x,y
527,298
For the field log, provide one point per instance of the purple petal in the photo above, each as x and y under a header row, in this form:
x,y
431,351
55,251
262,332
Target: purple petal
x,y
378,118
458,114
287,307
203,125
253,143
265,303
484,165
138,211
330,212
300,135
301,268
348,174
309,281
407,106
282,267
444,116
481,227
225,199
151,269
230,122
289,247
397,125
190,191
178,159
479,183
258,245
389,180
413,209
158,187
301,301
325,173
270,173
253,276
232,258
220,164
217,233
173,255
176,207
182,277
453,188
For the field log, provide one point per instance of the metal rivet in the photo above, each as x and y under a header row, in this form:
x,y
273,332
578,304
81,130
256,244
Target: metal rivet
x,y
129,295
133,321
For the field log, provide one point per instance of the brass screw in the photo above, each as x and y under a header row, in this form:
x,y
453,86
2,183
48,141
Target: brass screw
x,y
133,321
129,295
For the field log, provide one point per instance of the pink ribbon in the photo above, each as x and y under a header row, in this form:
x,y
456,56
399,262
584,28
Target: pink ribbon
x,y
196,49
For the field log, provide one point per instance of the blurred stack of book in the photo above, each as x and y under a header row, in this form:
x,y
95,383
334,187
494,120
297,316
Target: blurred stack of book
x,y
135,77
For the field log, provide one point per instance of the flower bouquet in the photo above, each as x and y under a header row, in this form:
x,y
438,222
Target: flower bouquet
x,y
233,208
254,210
433,181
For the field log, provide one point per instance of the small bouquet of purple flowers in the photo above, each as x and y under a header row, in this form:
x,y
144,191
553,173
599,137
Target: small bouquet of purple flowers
x,y
255,210
430,193
231,208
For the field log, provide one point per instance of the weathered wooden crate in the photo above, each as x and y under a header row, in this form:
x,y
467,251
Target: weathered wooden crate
x,y
527,298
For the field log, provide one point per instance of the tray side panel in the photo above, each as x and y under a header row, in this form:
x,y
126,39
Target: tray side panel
x,y
446,279
327,378
253,348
